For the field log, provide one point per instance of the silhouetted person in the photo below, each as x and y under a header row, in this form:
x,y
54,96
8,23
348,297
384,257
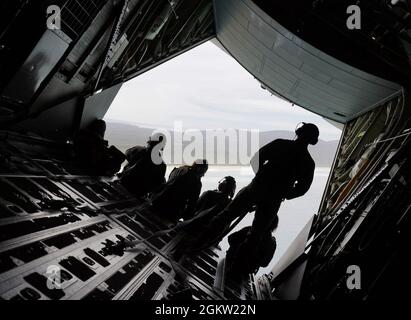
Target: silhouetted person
x,y
209,204
178,198
219,198
284,170
240,263
145,170
93,153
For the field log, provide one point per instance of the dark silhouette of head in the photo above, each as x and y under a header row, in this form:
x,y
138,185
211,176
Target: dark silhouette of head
x,y
308,133
98,127
156,139
200,167
227,186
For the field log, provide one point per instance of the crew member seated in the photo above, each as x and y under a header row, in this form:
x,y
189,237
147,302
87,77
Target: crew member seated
x,y
178,198
210,203
145,170
220,197
236,267
93,153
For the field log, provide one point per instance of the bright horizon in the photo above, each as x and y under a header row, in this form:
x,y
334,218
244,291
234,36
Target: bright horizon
x,y
205,88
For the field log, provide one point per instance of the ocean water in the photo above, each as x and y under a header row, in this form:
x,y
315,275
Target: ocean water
x,y
293,214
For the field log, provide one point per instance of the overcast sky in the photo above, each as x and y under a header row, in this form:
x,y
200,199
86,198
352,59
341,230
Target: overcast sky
x,y
205,88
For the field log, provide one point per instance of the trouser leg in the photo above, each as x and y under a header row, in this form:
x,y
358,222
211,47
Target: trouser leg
x,y
263,220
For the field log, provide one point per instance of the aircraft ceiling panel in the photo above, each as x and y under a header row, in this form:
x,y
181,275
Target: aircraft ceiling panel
x,y
292,68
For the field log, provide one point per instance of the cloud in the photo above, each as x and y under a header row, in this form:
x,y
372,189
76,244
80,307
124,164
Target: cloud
x,y
205,88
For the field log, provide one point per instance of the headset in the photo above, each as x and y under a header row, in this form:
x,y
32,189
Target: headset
x,y
299,128
229,178
304,128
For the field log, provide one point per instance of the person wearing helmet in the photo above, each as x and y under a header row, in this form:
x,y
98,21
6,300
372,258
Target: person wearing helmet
x,y
210,203
220,197
284,169
178,198
145,170
259,257
93,152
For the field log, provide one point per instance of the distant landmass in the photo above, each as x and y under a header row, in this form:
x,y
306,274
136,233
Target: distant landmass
x,y
125,136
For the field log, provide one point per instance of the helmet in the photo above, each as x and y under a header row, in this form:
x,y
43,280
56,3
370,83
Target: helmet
x,y
156,138
98,126
227,185
308,132
201,166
